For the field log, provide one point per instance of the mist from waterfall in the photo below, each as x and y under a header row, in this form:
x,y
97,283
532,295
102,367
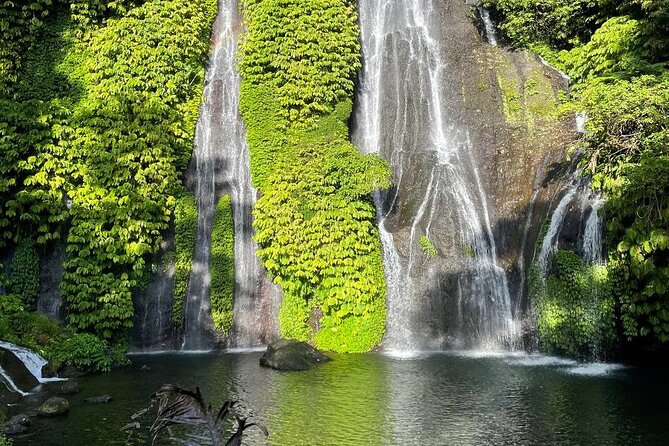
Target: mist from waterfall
x,y
222,166
402,116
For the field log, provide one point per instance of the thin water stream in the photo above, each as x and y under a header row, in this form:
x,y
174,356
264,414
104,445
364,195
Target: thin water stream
x,y
222,166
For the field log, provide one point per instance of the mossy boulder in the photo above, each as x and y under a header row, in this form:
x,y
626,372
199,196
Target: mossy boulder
x,y
54,407
292,355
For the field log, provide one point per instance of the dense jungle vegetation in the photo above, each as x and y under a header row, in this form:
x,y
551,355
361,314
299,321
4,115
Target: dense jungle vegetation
x,y
617,55
98,105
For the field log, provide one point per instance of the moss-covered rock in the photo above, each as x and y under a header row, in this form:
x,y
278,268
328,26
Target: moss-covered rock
x,y
54,407
292,355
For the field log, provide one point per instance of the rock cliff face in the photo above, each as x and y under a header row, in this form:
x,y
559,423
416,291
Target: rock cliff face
x,y
477,148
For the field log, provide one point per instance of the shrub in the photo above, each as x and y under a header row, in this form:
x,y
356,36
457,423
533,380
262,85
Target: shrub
x,y
574,307
83,351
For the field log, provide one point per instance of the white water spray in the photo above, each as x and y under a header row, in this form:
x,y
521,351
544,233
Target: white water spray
x,y
402,116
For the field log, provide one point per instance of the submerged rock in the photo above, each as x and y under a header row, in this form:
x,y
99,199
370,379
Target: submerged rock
x,y
16,425
21,419
71,372
53,407
99,399
69,388
292,355
14,429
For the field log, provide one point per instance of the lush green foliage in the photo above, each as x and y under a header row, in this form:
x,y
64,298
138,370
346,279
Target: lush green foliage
x,y
19,22
574,307
315,221
58,344
222,265
94,138
24,270
307,51
617,55
83,351
185,232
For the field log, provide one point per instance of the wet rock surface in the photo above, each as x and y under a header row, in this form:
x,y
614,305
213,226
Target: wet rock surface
x,y
54,406
99,399
69,388
292,355
477,150
17,371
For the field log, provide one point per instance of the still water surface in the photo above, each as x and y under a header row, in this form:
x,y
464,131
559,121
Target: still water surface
x,y
438,399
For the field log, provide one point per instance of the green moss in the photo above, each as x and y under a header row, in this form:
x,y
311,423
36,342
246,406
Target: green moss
x,y
222,266
294,317
527,100
185,231
315,221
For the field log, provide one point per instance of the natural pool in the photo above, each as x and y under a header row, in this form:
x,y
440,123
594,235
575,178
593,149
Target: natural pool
x,y
439,399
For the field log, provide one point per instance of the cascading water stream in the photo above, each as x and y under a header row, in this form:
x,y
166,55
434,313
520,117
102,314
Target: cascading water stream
x,y
591,241
490,32
222,166
592,236
550,242
402,116
32,362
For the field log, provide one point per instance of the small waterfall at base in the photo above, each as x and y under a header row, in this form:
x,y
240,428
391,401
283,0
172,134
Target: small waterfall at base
x,y
222,166
550,242
31,360
490,32
438,204
592,236
578,199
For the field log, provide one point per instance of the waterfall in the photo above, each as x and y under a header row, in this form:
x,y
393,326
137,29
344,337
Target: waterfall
x,y
31,360
438,196
222,166
10,383
592,236
490,32
551,240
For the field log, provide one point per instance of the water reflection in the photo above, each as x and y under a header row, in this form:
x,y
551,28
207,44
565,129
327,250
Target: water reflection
x,y
440,399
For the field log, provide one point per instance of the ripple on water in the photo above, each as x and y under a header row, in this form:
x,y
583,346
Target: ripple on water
x,y
595,369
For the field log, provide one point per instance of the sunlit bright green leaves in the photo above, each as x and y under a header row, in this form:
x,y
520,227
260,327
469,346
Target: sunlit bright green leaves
x,y
315,221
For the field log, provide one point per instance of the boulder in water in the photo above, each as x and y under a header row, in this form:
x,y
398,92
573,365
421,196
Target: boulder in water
x,y
71,372
16,425
49,370
22,378
99,399
21,419
13,429
292,355
69,388
54,406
